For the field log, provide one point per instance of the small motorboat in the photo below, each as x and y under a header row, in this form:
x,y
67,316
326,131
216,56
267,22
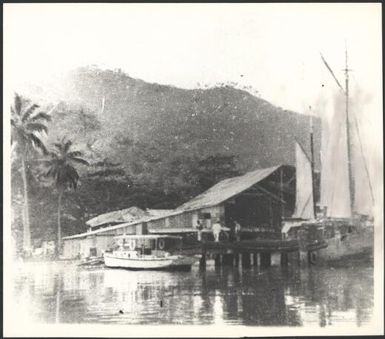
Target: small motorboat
x,y
148,252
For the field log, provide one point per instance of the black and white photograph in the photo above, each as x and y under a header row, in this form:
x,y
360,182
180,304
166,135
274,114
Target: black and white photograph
x,y
192,169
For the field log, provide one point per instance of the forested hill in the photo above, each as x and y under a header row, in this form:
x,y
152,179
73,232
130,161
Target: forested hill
x,y
157,146
183,122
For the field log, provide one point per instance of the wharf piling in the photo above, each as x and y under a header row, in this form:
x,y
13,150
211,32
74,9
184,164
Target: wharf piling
x,y
284,259
246,260
228,259
265,259
248,253
256,253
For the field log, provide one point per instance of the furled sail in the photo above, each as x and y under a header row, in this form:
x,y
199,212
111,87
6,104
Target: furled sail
x,y
304,207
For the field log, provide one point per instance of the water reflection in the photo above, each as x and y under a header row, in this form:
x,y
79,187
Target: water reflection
x,y
270,297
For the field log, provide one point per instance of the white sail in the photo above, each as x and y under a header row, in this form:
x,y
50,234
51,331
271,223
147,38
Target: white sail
x,y
363,197
323,161
335,194
335,191
304,207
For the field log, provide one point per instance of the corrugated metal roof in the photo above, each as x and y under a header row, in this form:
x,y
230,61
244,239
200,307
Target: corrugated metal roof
x,y
146,236
217,194
125,215
172,230
158,212
227,188
122,225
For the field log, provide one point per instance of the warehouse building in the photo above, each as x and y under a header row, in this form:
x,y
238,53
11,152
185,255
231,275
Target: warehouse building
x,y
257,200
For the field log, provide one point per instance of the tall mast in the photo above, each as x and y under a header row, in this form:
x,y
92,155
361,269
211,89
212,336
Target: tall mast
x,y
348,141
281,195
312,166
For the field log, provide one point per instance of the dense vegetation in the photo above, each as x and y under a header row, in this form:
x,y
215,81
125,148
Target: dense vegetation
x,y
150,145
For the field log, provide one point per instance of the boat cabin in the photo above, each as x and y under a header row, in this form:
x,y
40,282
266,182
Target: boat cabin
x,y
148,244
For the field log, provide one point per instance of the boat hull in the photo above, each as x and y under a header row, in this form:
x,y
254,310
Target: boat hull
x,y
358,245
176,262
335,242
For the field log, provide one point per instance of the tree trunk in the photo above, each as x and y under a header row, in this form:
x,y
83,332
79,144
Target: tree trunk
x,y
26,225
58,247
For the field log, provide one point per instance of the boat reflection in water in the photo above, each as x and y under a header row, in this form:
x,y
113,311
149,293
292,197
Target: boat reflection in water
x,y
272,297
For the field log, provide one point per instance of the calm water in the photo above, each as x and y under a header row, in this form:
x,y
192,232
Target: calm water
x,y
64,293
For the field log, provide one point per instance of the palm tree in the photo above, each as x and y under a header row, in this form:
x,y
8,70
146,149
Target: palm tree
x,y
61,168
26,124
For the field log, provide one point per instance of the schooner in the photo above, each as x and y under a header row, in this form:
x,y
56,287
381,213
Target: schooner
x,y
344,216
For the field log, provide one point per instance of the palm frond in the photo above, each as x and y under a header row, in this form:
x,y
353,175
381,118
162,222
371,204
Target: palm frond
x,y
36,127
37,143
59,178
75,184
18,104
27,114
72,183
66,176
74,154
41,116
53,155
60,166
46,162
71,172
67,145
80,161
51,172
72,176
13,137
59,146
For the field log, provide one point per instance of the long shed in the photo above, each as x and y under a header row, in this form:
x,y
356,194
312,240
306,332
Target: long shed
x,y
257,200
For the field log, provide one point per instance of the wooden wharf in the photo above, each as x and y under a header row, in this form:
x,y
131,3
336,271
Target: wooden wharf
x,y
257,252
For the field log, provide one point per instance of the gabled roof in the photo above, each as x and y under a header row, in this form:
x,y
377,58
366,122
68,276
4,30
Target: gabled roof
x,y
146,236
132,224
125,215
227,188
157,212
217,194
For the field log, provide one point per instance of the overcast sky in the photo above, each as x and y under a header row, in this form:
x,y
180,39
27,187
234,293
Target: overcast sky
x,y
272,47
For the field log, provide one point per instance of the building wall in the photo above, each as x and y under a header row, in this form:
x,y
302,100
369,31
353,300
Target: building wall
x,y
161,223
71,248
81,247
103,242
210,214
250,212
189,219
184,220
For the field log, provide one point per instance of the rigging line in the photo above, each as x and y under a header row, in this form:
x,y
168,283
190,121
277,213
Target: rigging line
x,y
363,156
302,148
331,72
362,151
305,205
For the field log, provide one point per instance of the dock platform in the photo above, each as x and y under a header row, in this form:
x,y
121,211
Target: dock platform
x,y
263,252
